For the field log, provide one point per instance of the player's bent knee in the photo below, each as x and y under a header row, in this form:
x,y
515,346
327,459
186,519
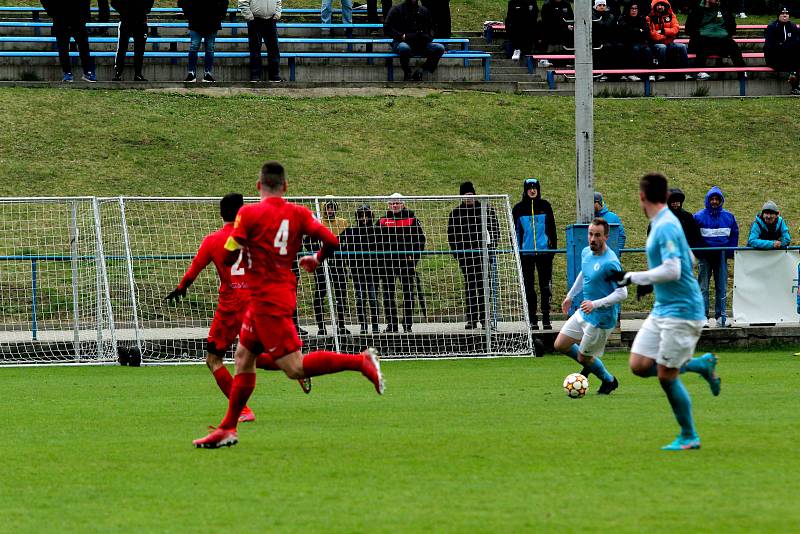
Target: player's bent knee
x,y
214,361
292,365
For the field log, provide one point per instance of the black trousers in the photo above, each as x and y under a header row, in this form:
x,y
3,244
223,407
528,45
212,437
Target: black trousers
x,y
543,263
406,275
475,303
784,59
372,11
103,11
366,298
265,30
339,283
440,13
386,5
62,31
721,46
128,29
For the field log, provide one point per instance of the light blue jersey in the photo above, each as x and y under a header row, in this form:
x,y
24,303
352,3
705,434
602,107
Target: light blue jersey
x,y
679,299
596,285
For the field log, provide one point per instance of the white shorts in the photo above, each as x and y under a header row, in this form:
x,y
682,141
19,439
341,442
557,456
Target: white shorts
x,y
593,339
670,342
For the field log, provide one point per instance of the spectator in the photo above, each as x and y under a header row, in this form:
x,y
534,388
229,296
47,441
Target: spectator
x,y
769,231
633,33
521,26
557,25
690,227
69,20
782,48
411,28
103,15
402,236
132,23
325,14
440,14
262,18
664,29
466,231
601,210
205,20
711,27
337,272
604,37
536,236
361,239
718,228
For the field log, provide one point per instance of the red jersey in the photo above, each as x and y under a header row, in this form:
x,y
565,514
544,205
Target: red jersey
x,y
233,292
272,232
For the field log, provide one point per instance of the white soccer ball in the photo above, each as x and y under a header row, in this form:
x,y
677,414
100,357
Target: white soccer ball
x,y
576,385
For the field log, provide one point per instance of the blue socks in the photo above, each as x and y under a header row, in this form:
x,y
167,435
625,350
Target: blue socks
x,y
681,406
600,371
573,352
695,365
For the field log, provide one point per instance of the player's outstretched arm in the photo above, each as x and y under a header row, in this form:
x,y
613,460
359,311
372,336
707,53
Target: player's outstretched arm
x,y
176,294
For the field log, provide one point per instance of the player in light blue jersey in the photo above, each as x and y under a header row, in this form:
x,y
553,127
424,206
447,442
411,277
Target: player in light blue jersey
x,y
595,320
664,345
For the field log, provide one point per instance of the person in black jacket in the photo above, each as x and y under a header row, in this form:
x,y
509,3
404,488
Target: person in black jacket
x,y
782,47
411,28
604,37
557,24
466,235
132,23
690,227
711,27
536,236
69,20
359,244
440,15
205,20
634,36
521,26
402,236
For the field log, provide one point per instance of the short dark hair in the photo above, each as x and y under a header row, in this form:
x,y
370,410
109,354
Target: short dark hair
x,y
654,186
599,221
229,206
272,176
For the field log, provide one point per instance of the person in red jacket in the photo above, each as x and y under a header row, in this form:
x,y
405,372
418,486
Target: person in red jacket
x,y
663,30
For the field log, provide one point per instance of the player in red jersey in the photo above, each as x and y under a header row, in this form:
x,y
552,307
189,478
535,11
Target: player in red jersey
x,y
234,296
271,232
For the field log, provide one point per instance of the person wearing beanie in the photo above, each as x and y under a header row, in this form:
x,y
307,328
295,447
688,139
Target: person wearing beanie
x,y
601,210
782,47
536,237
607,50
358,243
769,230
466,231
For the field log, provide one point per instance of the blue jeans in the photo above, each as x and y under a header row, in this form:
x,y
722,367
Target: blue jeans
x,y
677,53
347,11
431,52
194,46
717,267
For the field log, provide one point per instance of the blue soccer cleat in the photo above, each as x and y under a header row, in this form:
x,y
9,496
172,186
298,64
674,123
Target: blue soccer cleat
x,y
710,374
683,444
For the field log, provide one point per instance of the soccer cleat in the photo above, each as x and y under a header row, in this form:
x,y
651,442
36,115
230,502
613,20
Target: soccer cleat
x,y
247,415
68,78
607,387
89,76
371,368
682,444
710,374
219,437
305,384
208,78
191,77
586,371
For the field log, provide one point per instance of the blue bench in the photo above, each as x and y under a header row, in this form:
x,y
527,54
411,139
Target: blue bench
x,y
291,57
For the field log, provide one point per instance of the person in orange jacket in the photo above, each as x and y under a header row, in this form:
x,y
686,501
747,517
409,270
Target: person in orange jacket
x,y
663,29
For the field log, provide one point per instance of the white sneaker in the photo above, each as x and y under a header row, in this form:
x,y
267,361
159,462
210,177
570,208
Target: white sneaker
x,y
652,78
742,15
634,78
516,55
544,63
661,77
703,76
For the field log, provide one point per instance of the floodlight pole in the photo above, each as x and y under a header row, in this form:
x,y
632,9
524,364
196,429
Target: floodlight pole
x,y
584,109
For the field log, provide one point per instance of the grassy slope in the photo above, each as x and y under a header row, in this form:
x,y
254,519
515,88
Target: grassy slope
x,y
490,446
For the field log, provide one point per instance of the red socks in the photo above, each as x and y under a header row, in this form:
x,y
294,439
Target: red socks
x,y
323,362
242,388
224,380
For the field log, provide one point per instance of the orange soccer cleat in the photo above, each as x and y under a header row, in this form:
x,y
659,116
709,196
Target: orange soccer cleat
x,y
219,437
371,368
247,415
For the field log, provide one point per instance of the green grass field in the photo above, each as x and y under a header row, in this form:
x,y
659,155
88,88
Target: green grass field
x,y
453,446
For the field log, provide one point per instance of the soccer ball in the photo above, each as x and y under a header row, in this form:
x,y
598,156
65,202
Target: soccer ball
x,y
576,385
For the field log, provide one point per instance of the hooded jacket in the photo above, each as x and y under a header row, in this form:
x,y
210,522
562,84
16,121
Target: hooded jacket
x,y
465,229
401,232
613,218
70,11
521,19
361,237
718,226
664,27
133,10
763,235
534,221
690,227
261,9
413,22
554,14
204,16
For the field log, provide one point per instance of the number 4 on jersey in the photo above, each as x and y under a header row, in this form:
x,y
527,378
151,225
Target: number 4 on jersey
x,y
282,237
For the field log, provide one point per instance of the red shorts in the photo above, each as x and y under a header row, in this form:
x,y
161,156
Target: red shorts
x,y
224,328
274,336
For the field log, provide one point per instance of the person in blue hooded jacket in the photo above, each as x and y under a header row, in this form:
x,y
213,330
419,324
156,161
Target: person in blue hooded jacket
x,y
718,228
536,236
769,231
601,210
